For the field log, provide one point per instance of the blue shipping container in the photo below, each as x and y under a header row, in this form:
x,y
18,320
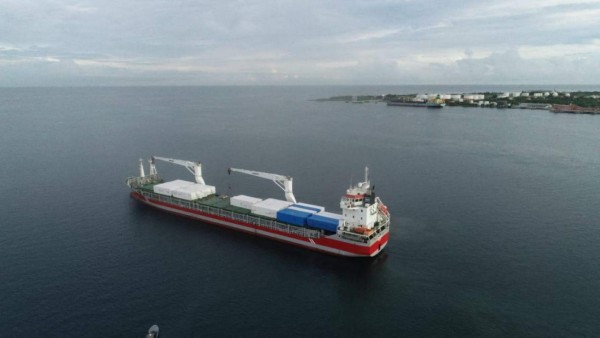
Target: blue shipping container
x,y
315,208
322,222
292,216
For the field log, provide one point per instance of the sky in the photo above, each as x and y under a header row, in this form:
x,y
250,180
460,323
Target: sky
x,y
302,42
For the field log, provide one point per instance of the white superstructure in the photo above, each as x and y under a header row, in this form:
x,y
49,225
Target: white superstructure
x,y
360,208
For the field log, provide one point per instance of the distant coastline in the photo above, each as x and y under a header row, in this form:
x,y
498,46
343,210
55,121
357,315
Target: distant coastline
x,y
580,102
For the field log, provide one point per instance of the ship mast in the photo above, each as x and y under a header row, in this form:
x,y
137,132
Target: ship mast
x,y
142,174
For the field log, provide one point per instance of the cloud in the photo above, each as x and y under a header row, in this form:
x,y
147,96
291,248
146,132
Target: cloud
x,y
309,42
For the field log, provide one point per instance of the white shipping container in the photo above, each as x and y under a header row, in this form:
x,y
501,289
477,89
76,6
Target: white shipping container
x,y
243,201
269,207
168,187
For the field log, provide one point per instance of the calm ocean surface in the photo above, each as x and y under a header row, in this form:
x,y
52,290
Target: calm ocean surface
x,y
496,216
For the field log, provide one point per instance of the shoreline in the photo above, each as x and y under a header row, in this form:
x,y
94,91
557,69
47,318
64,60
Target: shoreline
x,y
580,102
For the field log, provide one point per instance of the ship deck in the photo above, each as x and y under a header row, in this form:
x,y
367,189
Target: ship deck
x,y
216,201
220,205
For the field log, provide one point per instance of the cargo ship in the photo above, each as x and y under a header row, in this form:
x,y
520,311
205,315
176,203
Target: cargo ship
x,y
360,230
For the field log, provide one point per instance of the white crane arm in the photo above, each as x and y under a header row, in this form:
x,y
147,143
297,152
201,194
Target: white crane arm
x,y
193,167
283,182
175,161
261,174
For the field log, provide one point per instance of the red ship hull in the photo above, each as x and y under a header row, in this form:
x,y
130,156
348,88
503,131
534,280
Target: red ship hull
x,y
332,244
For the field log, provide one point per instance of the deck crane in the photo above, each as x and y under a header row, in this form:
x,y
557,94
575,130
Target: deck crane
x,y
283,182
194,167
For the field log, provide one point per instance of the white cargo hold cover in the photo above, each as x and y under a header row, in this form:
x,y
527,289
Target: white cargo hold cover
x,y
243,201
194,191
168,187
206,191
185,193
269,207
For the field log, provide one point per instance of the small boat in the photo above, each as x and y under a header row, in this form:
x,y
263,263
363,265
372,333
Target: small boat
x,y
153,332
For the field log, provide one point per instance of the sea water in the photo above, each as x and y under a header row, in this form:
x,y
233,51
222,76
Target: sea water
x,y
495,215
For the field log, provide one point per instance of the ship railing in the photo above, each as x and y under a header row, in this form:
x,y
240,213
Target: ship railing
x,y
251,219
383,217
378,231
353,236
